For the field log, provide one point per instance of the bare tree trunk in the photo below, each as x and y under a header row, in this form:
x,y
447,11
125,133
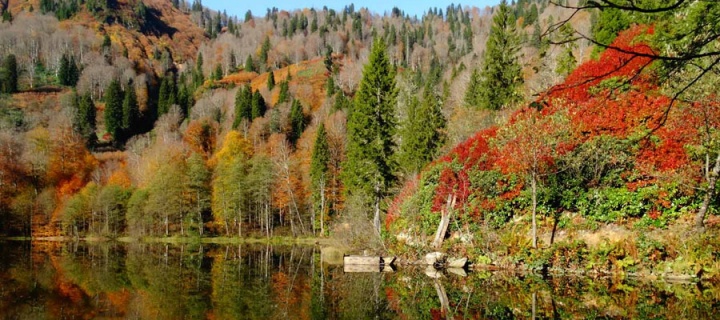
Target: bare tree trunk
x,y
533,184
444,222
322,206
709,195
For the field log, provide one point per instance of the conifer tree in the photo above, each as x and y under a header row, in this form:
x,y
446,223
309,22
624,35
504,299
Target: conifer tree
x,y
271,81
502,73
284,94
423,133
114,111
64,70
249,64
131,111
472,93
566,62
369,168
9,81
167,95
264,49
243,105
258,105
319,176
297,121
218,73
198,76
86,118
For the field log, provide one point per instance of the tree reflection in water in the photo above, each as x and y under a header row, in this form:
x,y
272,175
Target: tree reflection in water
x,y
201,281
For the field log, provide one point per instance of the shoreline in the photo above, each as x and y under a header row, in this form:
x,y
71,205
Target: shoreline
x,y
278,240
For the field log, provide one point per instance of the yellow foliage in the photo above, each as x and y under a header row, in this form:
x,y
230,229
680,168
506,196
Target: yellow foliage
x,y
234,145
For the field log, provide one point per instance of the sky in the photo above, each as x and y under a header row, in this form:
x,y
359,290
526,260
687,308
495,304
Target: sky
x,y
411,7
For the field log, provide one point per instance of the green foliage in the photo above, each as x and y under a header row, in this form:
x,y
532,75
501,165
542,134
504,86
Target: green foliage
x,y
111,204
609,23
370,165
297,122
258,106
501,75
114,111
271,81
250,64
68,73
566,62
84,113
423,133
472,93
131,112
319,167
9,75
167,95
243,105
284,95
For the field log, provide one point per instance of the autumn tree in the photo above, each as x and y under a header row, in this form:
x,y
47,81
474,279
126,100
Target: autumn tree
x,y
369,168
530,144
501,74
229,187
199,177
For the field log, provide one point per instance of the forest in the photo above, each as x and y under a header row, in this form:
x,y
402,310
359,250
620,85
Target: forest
x,y
127,118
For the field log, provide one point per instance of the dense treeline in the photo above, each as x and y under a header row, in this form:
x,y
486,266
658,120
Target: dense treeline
x,y
145,139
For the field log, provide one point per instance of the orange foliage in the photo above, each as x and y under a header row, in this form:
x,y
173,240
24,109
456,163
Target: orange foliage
x,y
120,177
201,136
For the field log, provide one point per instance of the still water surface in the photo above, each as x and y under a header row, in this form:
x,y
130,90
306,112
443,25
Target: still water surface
x,y
158,281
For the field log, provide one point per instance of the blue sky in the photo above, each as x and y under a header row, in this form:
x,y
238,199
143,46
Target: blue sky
x,y
411,7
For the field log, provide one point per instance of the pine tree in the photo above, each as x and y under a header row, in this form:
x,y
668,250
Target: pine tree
x,y
423,133
87,118
167,95
249,64
198,76
472,93
566,62
369,168
218,73
243,105
114,111
264,49
502,73
258,105
73,72
284,94
297,121
319,176
271,81
9,77
131,112
64,71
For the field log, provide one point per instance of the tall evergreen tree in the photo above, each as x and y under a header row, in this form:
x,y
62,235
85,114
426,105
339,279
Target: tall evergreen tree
x,y
423,133
243,105
258,107
297,121
87,118
131,111
9,76
167,95
271,81
502,73
114,111
250,64
63,74
284,94
369,168
472,93
319,176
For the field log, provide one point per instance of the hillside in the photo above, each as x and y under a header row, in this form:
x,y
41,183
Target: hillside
x,y
168,119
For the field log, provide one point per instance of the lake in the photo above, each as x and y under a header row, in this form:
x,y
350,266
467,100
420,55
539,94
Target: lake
x,y
194,281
